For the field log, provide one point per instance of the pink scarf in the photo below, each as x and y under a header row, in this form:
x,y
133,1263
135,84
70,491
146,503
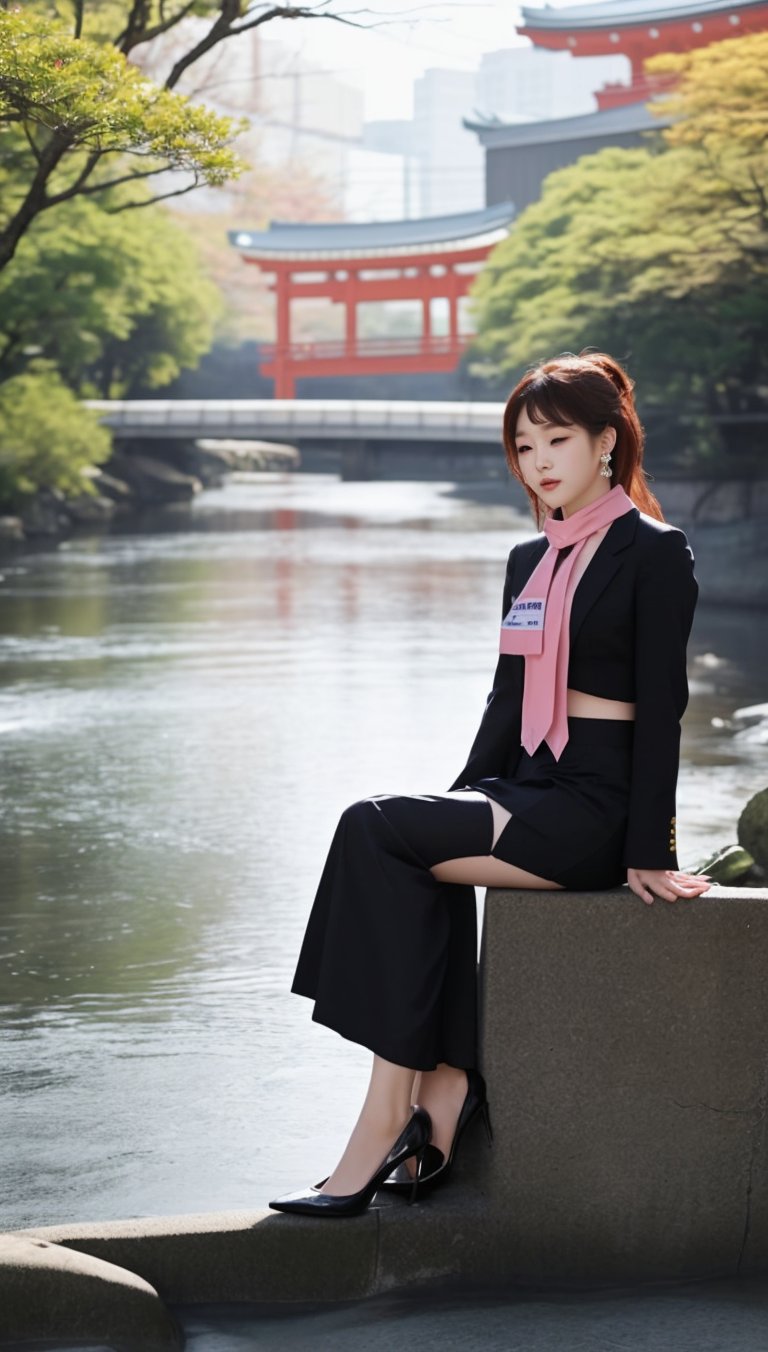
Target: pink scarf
x,y
538,623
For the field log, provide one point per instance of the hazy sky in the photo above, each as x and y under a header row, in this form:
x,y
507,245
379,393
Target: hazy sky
x,y
400,41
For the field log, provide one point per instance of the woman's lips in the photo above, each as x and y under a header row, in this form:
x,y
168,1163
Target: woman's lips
x,y
549,483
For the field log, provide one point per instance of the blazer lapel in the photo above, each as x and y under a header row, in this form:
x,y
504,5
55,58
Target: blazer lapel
x,y
605,562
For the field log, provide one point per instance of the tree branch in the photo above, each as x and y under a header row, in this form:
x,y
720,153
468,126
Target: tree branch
x,y
77,185
35,200
137,30
30,139
227,26
149,201
125,178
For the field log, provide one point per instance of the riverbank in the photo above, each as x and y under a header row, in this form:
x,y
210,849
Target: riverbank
x,y
141,477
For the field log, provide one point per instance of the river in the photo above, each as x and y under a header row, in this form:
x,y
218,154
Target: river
x,y
184,712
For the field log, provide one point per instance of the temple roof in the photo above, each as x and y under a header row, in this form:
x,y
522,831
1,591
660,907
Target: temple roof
x,y
627,117
624,13
342,239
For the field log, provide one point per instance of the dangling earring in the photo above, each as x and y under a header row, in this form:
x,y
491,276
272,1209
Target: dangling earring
x,y
606,462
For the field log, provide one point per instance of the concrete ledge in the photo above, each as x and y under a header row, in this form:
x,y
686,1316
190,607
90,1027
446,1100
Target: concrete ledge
x,y
626,1053
47,1291
236,1255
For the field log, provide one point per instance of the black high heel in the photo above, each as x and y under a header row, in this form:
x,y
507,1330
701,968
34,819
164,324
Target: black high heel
x,y
413,1140
434,1167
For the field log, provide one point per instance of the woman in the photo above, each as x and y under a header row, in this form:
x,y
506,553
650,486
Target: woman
x,y
570,782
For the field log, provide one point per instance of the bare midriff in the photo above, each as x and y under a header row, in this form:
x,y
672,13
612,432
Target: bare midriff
x,y
582,705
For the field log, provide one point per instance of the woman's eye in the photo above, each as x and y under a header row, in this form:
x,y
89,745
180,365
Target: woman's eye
x,y
556,439
523,448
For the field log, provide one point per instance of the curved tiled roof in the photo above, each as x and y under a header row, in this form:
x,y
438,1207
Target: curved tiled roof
x,y
344,239
607,121
621,13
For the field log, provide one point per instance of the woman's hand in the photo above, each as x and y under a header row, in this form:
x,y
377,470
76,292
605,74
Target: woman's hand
x,y
667,883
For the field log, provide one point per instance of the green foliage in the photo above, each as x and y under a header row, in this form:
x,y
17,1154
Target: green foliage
x,y
658,254
77,119
88,96
99,298
719,104
112,300
47,438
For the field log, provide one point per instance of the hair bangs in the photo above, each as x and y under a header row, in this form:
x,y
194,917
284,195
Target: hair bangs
x,y
548,401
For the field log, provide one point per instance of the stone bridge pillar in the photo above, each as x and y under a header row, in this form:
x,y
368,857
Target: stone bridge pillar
x,y
359,460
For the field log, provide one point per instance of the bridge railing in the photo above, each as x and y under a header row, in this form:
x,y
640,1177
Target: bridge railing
x,y
341,348
337,419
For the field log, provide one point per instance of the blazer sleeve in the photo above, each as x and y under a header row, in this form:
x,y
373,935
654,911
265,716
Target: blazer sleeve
x,y
665,601
501,723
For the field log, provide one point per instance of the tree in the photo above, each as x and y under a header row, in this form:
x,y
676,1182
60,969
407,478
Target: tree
x,y
47,438
78,118
79,106
659,254
110,300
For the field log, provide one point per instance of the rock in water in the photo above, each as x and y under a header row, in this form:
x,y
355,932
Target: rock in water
x,y
752,827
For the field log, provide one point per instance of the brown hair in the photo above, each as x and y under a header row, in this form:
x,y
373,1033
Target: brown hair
x,y
593,391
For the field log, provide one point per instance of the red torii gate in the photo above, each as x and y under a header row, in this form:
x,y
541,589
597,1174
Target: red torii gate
x,y
639,29
432,258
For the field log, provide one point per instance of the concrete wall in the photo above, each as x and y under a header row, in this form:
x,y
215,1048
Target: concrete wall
x,y
626,1053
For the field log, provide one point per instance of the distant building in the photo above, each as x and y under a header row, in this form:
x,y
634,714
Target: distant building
x,y
309,117
395,137
449,162
298,116
523,82
519,155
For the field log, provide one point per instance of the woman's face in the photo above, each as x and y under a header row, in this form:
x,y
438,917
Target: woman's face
x,y
567,454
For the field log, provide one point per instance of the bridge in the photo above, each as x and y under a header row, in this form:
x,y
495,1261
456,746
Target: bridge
x,y
303,419
363,429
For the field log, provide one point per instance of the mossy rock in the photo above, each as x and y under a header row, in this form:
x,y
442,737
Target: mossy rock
x,y
752,828
726,865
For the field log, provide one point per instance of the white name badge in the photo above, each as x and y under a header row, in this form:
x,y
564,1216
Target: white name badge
x,y
526,614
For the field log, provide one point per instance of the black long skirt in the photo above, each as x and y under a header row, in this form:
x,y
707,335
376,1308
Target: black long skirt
x,y
389,954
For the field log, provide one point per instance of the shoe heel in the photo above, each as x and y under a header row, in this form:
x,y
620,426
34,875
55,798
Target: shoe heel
x,y
487,1121
415,1185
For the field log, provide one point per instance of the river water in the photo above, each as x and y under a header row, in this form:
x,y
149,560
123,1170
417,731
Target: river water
x,y
184,712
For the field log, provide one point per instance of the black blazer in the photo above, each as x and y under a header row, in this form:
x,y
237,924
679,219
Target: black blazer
x,y
631,616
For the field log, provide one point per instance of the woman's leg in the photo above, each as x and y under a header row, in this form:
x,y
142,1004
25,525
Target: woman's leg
x,y
484,870
385,1111
442,1091
376,907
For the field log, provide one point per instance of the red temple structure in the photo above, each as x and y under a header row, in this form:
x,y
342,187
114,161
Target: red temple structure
x,y
639,29
435,258
521,154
